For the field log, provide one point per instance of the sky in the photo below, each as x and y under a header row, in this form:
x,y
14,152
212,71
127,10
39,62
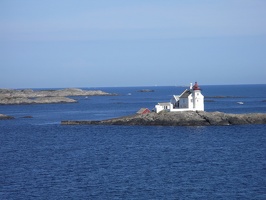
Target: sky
x,y
113,43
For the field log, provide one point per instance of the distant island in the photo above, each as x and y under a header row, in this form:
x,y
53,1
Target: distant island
x,y
145,90
29,96
4,117
188,118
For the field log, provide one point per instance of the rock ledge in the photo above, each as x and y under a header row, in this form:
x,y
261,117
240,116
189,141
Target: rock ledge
x,y
180,119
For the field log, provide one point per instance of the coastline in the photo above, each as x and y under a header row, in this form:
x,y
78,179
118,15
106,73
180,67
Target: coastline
x,y
190,118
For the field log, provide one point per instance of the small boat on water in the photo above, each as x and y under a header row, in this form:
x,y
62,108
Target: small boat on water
x,y
240,102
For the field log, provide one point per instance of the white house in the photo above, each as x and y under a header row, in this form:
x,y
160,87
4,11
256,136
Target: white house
x,y
190,100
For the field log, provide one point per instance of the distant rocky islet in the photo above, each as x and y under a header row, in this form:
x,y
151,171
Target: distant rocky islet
x,y
145,90
29,96
5,117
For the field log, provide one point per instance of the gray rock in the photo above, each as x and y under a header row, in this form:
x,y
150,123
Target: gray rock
x,y
4,117
38,100
145,90
27,117
180,119
45,96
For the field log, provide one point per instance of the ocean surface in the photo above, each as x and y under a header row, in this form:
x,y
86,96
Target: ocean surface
x,y
41,159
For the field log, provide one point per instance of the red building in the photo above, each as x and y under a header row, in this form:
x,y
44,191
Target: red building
x,y
143,111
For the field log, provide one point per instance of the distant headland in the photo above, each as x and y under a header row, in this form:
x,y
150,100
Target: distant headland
x,y
29,96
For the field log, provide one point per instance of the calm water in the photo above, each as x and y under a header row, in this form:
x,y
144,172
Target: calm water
x,y
40,159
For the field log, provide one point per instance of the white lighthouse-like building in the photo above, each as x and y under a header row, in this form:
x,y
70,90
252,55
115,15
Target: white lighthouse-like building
x,y
190,100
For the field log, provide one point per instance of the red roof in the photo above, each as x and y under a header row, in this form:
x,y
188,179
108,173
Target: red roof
x,y
196,86
143,111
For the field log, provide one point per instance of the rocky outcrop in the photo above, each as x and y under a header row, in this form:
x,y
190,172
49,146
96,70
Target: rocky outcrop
x,y
29,93
39,100
45,96
180,119
4,117
145,90
27,117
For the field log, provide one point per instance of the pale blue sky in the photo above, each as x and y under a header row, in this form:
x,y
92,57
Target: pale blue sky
x,y
87,43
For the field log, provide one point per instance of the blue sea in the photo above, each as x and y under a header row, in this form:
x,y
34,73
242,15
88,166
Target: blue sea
x,y
41,159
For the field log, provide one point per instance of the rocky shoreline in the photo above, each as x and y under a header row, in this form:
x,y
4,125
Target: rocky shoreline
x,y
29,96
198,118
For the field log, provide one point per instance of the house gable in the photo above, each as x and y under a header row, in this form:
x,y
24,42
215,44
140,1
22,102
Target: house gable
x,y
185,94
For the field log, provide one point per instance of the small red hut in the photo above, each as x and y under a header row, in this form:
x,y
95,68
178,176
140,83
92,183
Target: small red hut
x,y
143,111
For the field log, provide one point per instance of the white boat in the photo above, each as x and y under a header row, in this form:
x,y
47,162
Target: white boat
x,y
240,102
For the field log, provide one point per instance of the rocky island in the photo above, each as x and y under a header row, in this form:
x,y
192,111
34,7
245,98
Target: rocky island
x,y
145,90
29,96
190,118
3,117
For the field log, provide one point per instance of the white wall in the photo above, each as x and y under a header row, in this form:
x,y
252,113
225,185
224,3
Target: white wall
x,y
159,108
198,100
190,101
